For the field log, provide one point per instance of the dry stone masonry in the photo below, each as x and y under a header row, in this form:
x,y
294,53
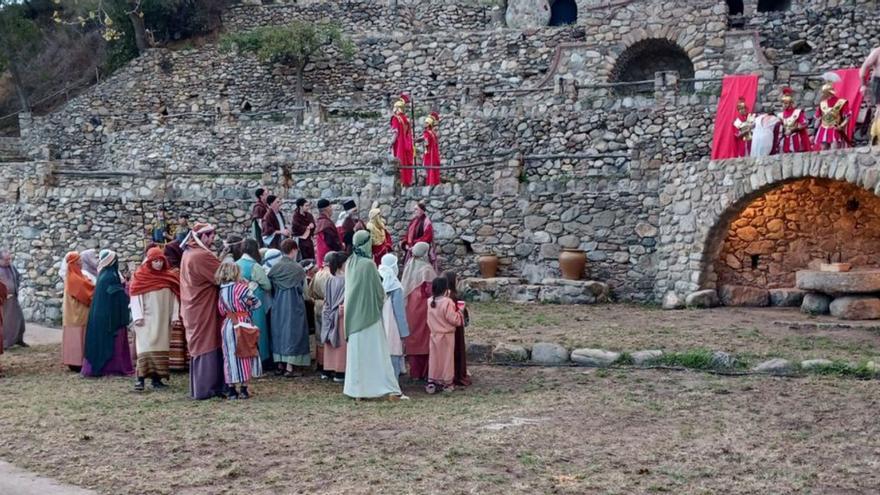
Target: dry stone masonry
x,y
553,152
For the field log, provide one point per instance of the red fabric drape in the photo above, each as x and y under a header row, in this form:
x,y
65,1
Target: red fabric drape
x,y
849,88
146,279
732,89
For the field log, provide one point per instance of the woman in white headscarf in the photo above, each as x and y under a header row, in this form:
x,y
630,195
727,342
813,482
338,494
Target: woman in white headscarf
x,y
393,311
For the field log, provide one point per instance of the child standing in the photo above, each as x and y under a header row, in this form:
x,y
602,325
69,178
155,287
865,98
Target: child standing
x,y
241,356
443,318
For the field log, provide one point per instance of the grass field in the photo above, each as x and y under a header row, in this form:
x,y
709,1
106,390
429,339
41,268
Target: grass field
x,y
517,430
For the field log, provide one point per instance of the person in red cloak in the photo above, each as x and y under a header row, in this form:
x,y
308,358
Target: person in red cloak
x,y
744,124
420,230
793,135
402,147
326,236
833,116
432,150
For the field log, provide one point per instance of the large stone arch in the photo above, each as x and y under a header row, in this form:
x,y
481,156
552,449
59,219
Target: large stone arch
x,y
699,199
690,44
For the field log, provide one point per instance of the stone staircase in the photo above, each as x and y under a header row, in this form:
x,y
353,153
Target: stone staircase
x,y
10,150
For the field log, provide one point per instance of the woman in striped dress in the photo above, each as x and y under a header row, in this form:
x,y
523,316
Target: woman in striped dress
x,y
235,304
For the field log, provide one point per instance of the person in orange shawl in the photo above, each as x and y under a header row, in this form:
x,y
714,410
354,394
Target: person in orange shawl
x,y
198,308
155,307
431,160
417,277
78,293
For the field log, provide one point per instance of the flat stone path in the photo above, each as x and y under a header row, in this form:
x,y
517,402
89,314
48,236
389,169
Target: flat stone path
x,y
16,481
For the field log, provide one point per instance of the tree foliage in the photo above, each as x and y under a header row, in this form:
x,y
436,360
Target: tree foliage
x,y
19,40
295,44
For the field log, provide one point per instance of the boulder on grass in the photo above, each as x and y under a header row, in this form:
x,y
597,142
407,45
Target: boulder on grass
x,y
740,295
672,301
856,308
702,299
549,353
509,353
775,366
815,304
597,358
787,298
642,358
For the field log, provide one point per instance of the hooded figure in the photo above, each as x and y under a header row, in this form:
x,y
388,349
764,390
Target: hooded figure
x,y
393,311
106,350
78,293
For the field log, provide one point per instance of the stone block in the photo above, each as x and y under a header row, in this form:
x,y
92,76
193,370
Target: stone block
x,y
815,304
839,283
775,366
787,297
521,293
740,295
596,358
549,353
810,364
702,299
478,352
672,301
722,360
562,291
642,358
856,308
509,353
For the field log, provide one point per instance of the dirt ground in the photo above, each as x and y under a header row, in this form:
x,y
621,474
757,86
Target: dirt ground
x,y
755,332
516,430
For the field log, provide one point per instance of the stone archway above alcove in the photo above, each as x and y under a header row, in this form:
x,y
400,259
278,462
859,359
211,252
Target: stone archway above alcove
x,y
641,60
563,12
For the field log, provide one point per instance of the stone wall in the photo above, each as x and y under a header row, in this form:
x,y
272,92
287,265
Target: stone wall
x,y
698,201
800,222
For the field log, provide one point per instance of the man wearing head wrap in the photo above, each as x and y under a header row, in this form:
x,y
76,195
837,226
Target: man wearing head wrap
x,y
89,259
393,311
833,115
417,277
198,308
316,292
368,369
77,299
155,306
420,230
382,243
13,317
106,350
326,235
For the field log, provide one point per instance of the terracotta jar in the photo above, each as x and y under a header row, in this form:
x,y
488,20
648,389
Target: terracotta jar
x,y
488,265
572,263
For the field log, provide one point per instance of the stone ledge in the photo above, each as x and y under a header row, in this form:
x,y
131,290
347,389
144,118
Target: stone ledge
x,y
839,283
551,290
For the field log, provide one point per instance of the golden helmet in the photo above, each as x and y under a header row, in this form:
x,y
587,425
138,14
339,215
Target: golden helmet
x,y
828,88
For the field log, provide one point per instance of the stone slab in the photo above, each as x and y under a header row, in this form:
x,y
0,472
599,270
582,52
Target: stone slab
x,y
672,301
787,297
775,366
549,353
815,304
856,308
597,358
508,353
702,299
641,358
740,295
839,283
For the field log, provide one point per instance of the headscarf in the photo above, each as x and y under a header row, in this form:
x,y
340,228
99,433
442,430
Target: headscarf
x,y
192,239
271,258
363,288
76,285
90,264
107,315
174,253
106,258
417,271
388,271
146,279
286,274
376,226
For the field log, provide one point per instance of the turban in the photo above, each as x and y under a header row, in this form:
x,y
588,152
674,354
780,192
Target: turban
x,y
420,249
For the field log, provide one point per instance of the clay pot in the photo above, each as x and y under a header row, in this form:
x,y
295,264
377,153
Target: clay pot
x,y
488,265
572,263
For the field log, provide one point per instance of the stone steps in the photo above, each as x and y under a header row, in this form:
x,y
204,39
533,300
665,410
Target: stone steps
x,y
10,150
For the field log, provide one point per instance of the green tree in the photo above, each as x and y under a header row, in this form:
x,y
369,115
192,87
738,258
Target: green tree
x,y
295,45
20,39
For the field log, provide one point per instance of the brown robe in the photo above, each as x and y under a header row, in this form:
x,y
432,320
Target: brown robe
x,y
198,301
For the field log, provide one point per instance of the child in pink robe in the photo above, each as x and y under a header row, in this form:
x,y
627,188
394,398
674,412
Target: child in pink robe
x,y
443,318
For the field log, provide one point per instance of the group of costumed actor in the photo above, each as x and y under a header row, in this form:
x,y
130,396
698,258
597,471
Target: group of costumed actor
x,y
403,145
198,308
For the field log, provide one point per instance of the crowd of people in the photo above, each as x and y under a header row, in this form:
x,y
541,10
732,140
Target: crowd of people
x,y
291,298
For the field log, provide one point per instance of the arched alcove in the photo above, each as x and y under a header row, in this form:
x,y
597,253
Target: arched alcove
x,y
770,235
640,61
563,12
773,5
735,7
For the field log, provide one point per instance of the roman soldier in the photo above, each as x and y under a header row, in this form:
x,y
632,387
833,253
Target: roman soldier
x,y
432,150
744,123
833,116
402,147
793,137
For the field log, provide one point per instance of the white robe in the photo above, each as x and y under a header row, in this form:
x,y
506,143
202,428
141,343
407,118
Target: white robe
x,y
368,370
762,135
